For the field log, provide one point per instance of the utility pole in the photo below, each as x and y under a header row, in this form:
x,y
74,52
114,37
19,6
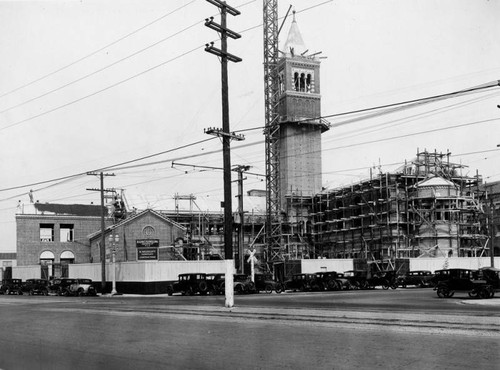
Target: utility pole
x,y
225,133
103,239
240,170
492,232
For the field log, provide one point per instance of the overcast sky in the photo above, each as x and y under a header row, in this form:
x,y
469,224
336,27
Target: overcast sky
x,y
89,84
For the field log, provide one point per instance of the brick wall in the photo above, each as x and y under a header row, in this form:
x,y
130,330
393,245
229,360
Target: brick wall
x,y
30,247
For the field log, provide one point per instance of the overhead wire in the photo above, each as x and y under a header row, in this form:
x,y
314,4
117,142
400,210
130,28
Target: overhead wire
x,y
97,51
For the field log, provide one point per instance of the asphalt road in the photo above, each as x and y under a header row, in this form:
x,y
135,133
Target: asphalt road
x,y
410,329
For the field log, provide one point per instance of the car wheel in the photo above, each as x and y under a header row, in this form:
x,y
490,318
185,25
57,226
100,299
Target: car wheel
x,y
484,293
268,288
239,289
202,287
279,288
170,290
80,292
442,292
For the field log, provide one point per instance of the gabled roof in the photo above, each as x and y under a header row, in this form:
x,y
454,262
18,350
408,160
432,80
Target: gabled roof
x,y
134,218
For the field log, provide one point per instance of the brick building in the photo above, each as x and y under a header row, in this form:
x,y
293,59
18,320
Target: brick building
x,y
145,236
55,235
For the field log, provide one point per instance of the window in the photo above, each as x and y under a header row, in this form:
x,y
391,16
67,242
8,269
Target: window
x,y
66,233
47,232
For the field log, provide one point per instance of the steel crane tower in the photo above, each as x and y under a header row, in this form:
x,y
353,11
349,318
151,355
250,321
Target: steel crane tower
x,y
272,130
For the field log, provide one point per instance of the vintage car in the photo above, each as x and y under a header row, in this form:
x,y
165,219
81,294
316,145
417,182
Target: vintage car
x,y
11,286
492,277
36,286
463,280
243,284
331,280
216,283
82,287
385,279
420,278
302,282
266,283
189,284
357,278
60,286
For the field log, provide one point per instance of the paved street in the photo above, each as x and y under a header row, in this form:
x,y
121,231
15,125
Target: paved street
x,y
331,330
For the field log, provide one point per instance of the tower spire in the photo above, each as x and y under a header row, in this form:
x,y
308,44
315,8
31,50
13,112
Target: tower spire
x,y
294,44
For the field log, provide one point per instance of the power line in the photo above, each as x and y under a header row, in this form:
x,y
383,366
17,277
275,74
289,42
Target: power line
x,y
95,52
97,71
110,86
107,167
99,91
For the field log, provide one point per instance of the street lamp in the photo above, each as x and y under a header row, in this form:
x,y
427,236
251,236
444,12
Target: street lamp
x,y
114,239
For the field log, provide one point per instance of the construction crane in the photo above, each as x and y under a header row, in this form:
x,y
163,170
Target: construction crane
x,y
272,130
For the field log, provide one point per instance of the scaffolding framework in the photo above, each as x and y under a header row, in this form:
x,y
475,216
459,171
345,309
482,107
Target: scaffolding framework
x,y
404,214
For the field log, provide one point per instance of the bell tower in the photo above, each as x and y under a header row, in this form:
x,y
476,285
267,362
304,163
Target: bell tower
x,y
300,123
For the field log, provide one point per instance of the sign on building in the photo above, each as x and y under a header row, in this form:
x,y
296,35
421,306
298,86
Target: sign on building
x,y
147,249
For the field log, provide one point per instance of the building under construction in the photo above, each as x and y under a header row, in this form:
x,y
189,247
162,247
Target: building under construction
x,y
424,208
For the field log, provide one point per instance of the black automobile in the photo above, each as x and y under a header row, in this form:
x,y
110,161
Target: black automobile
x,y
331,280
420,278
216,283
243,284
385,279
357,278
60,286
189,284
266,283
11,286
36,286
492,277
463,280
302,282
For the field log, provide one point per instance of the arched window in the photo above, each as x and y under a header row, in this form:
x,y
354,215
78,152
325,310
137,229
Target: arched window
x,y
67,257
302,82
296,81
309,83
46,258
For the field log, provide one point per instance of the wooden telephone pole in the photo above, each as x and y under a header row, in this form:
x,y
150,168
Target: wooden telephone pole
x,y
225,133
103,239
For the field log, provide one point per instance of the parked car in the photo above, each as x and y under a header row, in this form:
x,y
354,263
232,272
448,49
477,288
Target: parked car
x,y
189,284
60,286
463,280
243,284
357,278
420,278
216,283
385,279
266,283
11,286
36,286
331,280
302,282
82,287
492,277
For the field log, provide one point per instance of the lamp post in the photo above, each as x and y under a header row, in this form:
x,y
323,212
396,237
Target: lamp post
x,y
114,239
